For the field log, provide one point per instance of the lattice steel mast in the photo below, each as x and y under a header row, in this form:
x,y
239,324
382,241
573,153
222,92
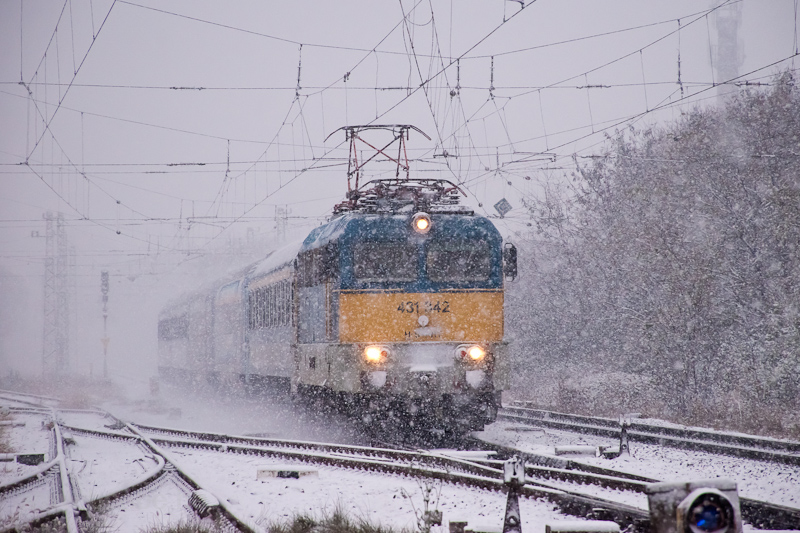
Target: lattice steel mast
x,y
55,353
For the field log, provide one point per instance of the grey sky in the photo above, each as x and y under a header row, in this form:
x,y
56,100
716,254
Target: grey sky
x,y
124,149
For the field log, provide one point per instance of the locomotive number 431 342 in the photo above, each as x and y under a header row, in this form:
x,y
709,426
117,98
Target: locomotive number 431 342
x,y
424,307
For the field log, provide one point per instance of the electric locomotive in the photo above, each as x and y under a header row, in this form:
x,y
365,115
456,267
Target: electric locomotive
x,y
393,309
400,306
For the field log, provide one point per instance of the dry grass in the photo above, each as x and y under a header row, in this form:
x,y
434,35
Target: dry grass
x,y
5,445
335,522
184,526
56,525
97,520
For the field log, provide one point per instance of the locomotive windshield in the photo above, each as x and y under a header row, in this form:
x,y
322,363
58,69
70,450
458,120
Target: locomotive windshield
x,y
385,261
459,261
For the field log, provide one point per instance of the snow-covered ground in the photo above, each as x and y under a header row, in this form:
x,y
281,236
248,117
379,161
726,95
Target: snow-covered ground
x,y
391,500
103,465
758,480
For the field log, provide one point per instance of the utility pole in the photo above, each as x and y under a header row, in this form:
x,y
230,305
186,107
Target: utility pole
x,y
281,219
105,339
55,354
728,56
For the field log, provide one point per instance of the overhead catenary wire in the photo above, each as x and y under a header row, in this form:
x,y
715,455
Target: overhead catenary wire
x,y
75,75
99,224
540,94
664,104
586,73
310,44
75,167
303,171
648,45
498,111
483,177
452,62
287,88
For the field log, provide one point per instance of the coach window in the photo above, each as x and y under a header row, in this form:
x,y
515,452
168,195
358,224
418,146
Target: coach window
x,y
378,261
286,301
173,328
271,306
459,261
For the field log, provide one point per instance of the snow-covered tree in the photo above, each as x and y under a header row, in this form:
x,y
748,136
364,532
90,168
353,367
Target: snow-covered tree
x,y
675,258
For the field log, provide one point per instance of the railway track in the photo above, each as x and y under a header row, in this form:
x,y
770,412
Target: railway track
x,y
448,461
431,465
745,446
169,458
758,513
81,430
55,486
439,465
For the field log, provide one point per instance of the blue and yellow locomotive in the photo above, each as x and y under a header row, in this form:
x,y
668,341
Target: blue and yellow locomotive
x,y
394,308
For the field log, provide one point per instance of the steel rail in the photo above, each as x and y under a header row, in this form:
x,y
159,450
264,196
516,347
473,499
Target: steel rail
x,y
67,497
146,479
103,434
67,506
343,452
608,479
35,474
343,449
346,456
5,392
659,439
238,522
32,476
430,458
760,514
223,442
696,438
569,502
295,444
31,409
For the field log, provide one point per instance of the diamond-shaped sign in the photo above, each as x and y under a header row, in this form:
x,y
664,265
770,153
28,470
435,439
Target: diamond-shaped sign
x,y
502,207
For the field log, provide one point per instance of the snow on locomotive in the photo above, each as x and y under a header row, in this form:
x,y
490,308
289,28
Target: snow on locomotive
x,y
394,309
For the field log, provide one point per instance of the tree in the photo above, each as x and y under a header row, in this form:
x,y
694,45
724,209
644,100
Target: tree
x,y
675,256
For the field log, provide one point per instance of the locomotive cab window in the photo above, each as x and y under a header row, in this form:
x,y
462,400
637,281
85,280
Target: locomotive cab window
x,y
459,261
385,261
318,266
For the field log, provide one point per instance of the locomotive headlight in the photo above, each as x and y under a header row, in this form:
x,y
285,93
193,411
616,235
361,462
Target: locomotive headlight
x,y
375,354
471,353
421,223
476,353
